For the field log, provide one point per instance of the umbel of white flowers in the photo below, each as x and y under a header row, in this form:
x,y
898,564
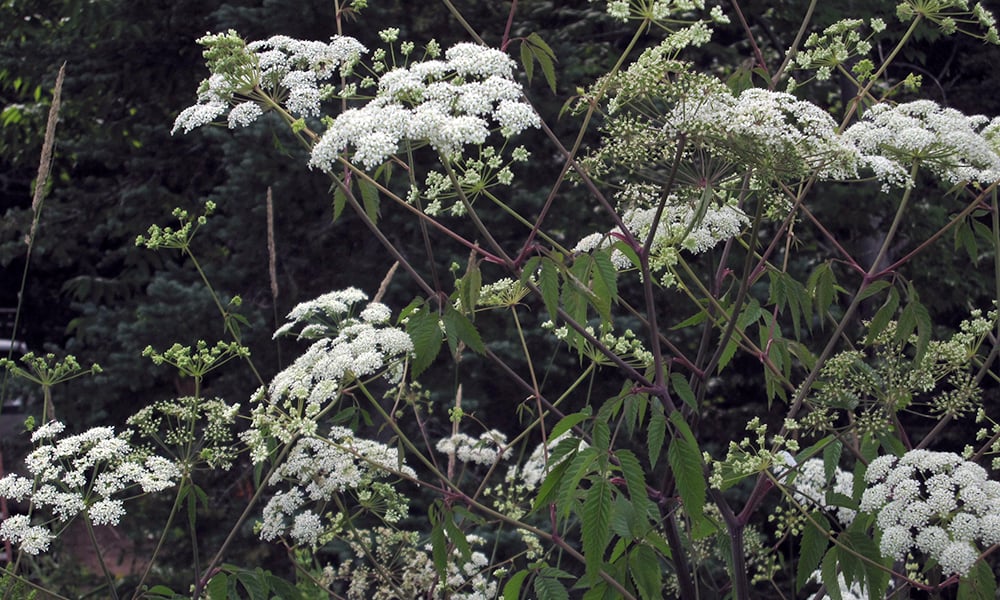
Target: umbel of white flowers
x,y
84,473
935,504
446,103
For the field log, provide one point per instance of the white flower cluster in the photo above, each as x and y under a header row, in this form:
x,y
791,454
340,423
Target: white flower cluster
x,y
660,10
811,486
411,572
774,131
934,503
487,450
317,469
957,148
682,226
347,347
80,473
447,104
281,67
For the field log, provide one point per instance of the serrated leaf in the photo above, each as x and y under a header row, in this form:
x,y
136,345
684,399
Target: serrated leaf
x,y
828,574
696,319
822,285
601,435
596,523
605,282
831,458
580,467
915,317
644,567
656,433
546,59
282,589
683,390
568,422
874,288
424,330
628,252
966,238
218,587
812,548
339,201
635,479
548,282
885,314
458,327
527,59
979,584
470,286
369,197
253,583
547,588
512,589
685,462
750,314
551,484
439,542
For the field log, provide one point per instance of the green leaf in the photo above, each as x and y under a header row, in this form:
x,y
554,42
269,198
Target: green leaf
x,y
548,588
685,462
253,584
656,432
596,525
580,467
878,323
283,589
646,571
424,330
978,584
822,285
831,457
469,288
601,435
635,479
813,547
339,201
551,484
966,238
915,316
874,288
683,390
369,197
548,281
218,587
605,282
527,59
458,326
439,541
750,314
828,574
534,48
512,589
568,422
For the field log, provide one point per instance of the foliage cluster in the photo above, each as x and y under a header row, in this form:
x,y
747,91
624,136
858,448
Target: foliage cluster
x,y
571,302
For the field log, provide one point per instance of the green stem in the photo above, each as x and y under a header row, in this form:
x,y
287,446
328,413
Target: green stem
x,y
200,584
159,542
100,556
480,226
793,50
222,310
